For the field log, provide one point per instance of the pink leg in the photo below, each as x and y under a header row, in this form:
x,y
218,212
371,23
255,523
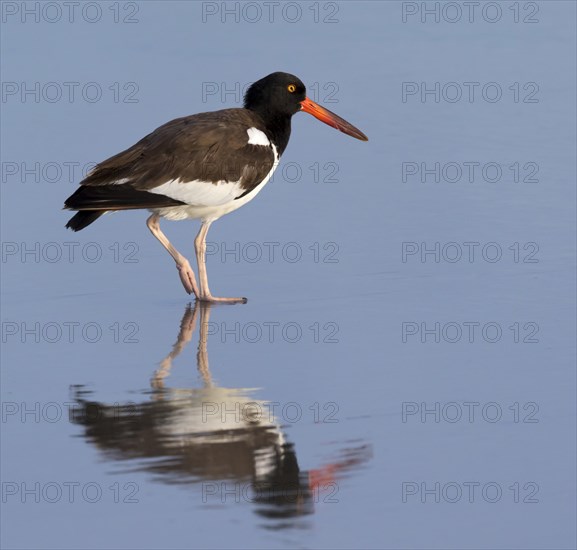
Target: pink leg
x,y
186,273
200,247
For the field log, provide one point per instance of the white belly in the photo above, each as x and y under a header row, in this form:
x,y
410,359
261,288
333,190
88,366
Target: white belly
x,y
207,201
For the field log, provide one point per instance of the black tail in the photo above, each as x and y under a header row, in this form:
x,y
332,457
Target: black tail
x,y
93,200
82,219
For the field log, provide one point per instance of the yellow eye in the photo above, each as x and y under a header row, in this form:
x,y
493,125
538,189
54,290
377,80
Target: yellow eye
x,y
291,88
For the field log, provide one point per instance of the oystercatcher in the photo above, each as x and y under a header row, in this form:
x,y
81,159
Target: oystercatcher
x,y
201,166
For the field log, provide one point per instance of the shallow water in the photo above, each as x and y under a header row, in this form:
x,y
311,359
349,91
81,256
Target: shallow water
x,y
402,375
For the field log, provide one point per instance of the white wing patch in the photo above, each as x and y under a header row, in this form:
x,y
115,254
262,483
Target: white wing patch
x,y
200,193
256,137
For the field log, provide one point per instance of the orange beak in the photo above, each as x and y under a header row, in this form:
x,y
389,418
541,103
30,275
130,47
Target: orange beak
x,y
328,117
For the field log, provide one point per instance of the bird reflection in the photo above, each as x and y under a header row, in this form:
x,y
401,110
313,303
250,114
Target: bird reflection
x,y
220,437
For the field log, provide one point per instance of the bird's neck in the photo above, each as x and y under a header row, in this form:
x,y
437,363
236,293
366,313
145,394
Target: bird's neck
x,y
278,129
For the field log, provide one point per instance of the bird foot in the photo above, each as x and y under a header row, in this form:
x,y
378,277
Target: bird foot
x,y
188,278
214,299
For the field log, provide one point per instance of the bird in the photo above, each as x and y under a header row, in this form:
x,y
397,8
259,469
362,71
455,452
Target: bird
x,y
201,166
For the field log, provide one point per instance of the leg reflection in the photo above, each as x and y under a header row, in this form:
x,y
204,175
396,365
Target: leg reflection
x,y
187,328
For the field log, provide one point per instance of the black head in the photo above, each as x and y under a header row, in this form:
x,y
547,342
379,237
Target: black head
x,y
278,96
279,93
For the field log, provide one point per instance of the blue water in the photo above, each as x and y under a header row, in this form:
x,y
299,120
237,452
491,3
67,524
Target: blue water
x,y
403,374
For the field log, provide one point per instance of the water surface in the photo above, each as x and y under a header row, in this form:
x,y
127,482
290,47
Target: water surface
x,y
403,374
